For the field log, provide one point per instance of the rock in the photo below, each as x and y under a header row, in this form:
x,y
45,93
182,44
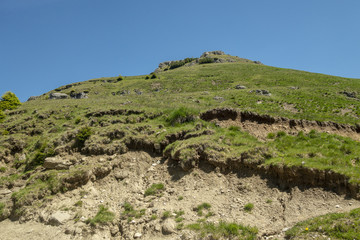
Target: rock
x,y
349,94
206,54
240,87
121,175
168,227
137,235
58,96
337,206
80,95
33,98
58,218
219,98
56,163
4,192
263,92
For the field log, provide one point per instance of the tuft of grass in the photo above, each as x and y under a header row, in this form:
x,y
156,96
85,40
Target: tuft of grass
x,y
154,189
248,207
103,216
181,115
166,214
78,203
2,169
180,198
2,207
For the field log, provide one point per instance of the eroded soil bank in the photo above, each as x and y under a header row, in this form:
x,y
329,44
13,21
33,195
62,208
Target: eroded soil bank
x,y
276,206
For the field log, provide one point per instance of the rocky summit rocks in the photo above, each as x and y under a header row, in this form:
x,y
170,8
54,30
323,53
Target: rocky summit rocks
x,y
58,218
58,96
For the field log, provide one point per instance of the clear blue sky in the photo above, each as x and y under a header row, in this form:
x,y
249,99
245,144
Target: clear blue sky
x,y
48,43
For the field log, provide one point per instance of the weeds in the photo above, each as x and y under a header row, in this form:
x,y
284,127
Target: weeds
x,y
103,216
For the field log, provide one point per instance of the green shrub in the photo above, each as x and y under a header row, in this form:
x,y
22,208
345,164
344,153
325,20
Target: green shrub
x,y
77,120
103,216
153,76
206,60
2,115
2,206
119,78
181,115
2,169
154,189
271,135
281,134
9,101
147,77
83,134
166,214
248,207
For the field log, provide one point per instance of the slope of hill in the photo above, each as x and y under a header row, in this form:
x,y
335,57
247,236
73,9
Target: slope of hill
x,y
216,146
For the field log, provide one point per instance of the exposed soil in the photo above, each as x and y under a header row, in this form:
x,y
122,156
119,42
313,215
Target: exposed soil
x,y
261,125
276,207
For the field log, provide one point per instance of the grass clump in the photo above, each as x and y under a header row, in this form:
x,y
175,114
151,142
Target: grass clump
x,y
201,207
2,207
2,169
334,226
103,216
248,207
166,214
154,189
130,212
181,115
78,203
224,229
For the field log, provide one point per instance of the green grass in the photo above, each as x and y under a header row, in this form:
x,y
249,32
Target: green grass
x,y
333,226
154,189
2,207
249,207
103,216
224,229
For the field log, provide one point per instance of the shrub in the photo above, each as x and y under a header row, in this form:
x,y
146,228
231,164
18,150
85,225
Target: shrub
x,y
154,189
206,60
2,169
119,78
9,101
181,115
153,76
248,207
83,134
281,134
147,77
102,216
2,115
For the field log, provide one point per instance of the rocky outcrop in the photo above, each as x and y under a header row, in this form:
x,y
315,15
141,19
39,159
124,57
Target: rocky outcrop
x,y
58,96
56,163
206,54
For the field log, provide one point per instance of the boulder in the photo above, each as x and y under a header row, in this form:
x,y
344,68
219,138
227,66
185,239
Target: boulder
x,y
263,92
168,227
58,218
58,96
80,95
205,54
240,87
33,98
56,163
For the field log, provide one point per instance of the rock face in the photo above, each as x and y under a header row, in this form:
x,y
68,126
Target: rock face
x,y
58,218
58,96
56,163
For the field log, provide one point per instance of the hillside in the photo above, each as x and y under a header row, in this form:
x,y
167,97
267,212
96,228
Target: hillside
x,y
213,147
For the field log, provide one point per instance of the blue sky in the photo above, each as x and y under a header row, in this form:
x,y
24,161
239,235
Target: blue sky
x,y
45,44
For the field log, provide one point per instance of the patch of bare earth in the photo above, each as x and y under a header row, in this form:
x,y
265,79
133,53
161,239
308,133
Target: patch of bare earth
x,y
275,208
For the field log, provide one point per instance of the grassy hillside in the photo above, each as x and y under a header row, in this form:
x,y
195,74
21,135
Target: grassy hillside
x,y
160,114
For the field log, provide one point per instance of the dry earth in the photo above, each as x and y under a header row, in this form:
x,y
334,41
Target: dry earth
x,y
275,209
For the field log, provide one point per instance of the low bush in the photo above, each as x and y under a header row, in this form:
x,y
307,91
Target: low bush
x,y
206,60
248,207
